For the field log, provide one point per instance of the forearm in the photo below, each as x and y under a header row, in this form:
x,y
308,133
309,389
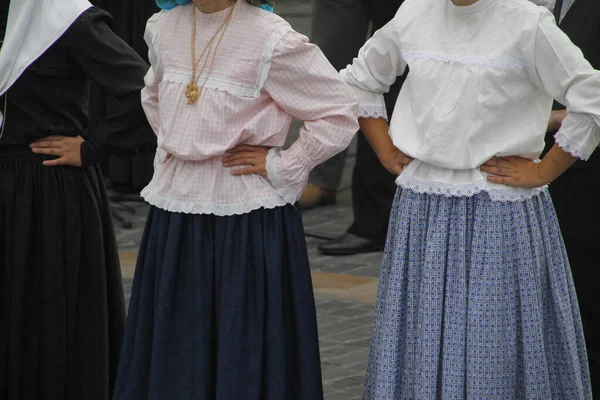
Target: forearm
x,y
556,119
126,126
555,163
376,130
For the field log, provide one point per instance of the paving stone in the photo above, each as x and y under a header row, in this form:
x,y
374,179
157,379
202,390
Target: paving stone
x,y
348,383
343,395
364,342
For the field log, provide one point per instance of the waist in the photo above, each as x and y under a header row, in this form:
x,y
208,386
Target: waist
x,y
206,187
15,149
421,177
21,152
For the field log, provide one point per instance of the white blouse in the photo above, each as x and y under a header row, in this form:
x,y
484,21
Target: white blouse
x,y
264,74
481,83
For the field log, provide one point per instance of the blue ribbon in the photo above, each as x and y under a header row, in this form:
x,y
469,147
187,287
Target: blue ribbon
x,y
169,4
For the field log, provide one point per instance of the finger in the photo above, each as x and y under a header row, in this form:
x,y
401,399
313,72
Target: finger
x,y
47,151
406,160
52,138
243,155
495,162
57,162
397,169
503,180
245,159
500,171
239,162
49,144
510,159
247,171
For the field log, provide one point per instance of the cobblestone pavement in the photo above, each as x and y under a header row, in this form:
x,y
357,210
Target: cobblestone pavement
x,y
345,287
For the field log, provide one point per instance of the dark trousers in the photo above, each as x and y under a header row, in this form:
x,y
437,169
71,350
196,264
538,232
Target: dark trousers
x,y
575,195
340,28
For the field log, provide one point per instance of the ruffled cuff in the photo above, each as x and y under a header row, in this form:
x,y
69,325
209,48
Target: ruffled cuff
x,y
288,172
370,104
579,135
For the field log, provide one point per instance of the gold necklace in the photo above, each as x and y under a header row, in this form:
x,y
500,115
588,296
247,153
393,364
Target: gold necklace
x,y
192,91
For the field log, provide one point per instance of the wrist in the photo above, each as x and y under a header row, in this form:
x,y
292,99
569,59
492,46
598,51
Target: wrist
x,y
386,154
543,175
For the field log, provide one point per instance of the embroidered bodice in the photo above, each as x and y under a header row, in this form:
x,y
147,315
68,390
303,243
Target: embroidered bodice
x,y
264,74
481,84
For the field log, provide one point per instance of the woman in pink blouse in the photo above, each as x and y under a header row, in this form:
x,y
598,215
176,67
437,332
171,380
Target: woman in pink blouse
x,y
222,304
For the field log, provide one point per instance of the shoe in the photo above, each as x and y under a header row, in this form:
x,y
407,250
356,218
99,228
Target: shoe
x,y
314,196
349,244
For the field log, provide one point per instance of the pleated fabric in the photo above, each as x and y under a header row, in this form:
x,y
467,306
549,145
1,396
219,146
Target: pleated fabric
x,y
222,308
476,301
62,312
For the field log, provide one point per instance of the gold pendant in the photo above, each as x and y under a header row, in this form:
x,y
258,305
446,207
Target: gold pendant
x,y
192,93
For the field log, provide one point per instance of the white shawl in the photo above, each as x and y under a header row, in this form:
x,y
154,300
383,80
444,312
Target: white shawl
x,y
32,27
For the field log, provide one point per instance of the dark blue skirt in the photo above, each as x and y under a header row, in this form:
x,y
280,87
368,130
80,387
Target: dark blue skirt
x,y
221,308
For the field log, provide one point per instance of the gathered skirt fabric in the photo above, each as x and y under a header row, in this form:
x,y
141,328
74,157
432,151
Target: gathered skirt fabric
x,y
62,312
222,308
476,301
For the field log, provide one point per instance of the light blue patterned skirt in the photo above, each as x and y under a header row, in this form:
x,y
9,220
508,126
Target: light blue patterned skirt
x,y
476,301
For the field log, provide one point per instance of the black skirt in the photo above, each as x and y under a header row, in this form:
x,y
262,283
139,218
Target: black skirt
x,y
61,297
222,308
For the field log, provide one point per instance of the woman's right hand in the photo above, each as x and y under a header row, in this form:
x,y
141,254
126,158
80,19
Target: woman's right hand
x,y
66,149
396,161
254,158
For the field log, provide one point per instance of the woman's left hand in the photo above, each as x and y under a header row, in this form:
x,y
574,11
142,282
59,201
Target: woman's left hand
x,y
514,171
253,156
66,148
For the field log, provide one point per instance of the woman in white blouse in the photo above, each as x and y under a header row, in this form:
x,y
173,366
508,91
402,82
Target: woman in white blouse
x,y
476,300
222,304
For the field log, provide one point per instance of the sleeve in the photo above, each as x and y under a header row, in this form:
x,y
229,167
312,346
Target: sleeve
x,y
303,83
562,70
377,67
154,75
119,71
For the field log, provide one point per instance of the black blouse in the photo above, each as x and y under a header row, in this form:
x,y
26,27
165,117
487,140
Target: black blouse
x,y
52,96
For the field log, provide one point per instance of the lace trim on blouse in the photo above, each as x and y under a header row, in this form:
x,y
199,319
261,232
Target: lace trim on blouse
x,y
267,57
577,129
570,146
508,63
231,86
209,207
213,83
368,111
504,194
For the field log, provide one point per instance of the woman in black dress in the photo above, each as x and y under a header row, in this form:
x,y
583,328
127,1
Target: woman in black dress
x,y
61,300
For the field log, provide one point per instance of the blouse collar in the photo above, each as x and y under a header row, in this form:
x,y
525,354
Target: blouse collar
x,y
32,27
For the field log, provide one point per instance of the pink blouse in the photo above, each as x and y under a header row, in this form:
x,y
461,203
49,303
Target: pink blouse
x,y
264,74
